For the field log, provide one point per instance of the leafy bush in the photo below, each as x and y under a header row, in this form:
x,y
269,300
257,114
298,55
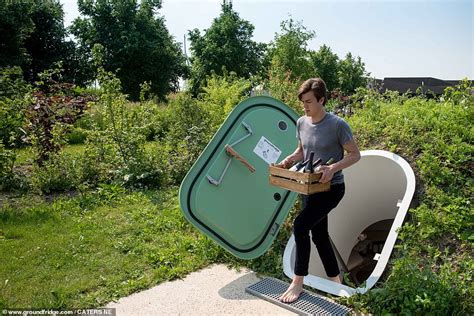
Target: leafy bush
x,y
221,95
152,116
54,108
76,136
462,93
62,172
193,122
415,289
432,270
181,154
282,87
7,159
14,99
11,179
186,137
119,146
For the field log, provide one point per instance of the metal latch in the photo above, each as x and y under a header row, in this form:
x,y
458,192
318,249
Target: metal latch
x,y
233,154
274,229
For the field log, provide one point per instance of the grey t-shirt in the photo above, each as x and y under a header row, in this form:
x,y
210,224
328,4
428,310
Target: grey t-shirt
x,y
325,139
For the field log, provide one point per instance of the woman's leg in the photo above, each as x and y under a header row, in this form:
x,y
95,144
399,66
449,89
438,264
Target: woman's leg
x,y
320,237
315,207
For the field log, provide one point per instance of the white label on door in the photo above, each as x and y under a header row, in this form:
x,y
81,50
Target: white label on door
x,y
267,151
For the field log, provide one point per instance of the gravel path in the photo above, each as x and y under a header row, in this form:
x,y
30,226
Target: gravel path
x,y
215,290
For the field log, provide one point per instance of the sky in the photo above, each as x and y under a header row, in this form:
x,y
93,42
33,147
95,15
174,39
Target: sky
x,y
393,38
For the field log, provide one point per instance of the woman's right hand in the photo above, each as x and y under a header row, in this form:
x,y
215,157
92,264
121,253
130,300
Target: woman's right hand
x,y
285,164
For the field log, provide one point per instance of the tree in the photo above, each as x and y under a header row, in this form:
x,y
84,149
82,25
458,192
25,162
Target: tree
x,y
325,64
15,27
352,74
228,45
47,44
136,44
289,50
32,36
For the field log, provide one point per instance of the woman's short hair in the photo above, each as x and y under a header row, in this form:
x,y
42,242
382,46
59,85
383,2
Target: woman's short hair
x,y
317,85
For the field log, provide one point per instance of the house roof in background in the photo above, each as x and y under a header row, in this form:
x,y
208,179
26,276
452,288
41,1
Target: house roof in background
x,y
403,84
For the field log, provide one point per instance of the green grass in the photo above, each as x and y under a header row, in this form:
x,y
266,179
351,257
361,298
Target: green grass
x,y
88,250
431,270
25,155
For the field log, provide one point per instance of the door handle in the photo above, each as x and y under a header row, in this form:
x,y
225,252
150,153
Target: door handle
x,y
231,151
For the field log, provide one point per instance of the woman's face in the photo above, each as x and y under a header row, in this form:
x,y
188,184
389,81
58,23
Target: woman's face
x,y
310,105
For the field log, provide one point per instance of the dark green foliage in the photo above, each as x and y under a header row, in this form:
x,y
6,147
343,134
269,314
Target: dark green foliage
x,y
11,179
33,37
351,73
432,269
226,46
15,27
289,51
135,43
118,147
47,44
325,64
14,99
413,289
292,61
76,136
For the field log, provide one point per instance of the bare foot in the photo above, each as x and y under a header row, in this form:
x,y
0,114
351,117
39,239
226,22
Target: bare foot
x,y
294,290
336,279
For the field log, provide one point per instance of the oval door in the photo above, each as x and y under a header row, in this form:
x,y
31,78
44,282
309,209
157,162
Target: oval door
x,y
232,202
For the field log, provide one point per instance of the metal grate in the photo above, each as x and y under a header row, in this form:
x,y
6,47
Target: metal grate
x,y
271,289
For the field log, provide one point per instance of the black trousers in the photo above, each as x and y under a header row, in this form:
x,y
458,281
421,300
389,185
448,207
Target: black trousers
x,y
314,218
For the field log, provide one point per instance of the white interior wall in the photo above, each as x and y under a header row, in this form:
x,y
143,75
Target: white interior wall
x,y
380,186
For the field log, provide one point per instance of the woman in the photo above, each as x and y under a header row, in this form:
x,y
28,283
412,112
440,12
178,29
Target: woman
x,y
328,136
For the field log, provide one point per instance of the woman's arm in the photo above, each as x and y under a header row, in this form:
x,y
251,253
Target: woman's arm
x,y
353,155
296,156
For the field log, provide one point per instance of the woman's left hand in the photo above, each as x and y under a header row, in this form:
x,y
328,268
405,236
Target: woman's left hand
x,y
328,173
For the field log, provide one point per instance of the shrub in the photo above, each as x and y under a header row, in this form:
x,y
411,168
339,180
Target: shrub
x,y
221,94
76,136
433,267
193,122
11,179
53,110
14,99
462,93
62,172
181,154
282,87
414,289
119,146
187,135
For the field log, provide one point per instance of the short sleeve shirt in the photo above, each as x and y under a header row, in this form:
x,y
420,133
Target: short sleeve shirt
x,y
325,138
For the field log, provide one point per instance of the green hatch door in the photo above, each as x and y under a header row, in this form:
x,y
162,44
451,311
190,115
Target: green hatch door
x,y
231,202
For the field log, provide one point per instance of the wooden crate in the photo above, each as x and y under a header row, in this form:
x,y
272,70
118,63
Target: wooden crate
x,y
304,183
